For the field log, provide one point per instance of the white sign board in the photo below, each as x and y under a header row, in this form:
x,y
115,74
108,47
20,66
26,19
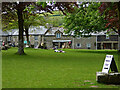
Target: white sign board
x,y
107,63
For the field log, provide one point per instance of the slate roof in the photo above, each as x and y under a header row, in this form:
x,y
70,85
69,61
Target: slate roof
x,y
33,30
41,30
4,33
37,30
53,30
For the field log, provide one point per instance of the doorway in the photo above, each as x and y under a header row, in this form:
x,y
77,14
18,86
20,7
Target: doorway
x,y
107,45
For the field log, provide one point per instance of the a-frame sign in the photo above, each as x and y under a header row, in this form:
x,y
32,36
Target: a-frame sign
x,y
109,63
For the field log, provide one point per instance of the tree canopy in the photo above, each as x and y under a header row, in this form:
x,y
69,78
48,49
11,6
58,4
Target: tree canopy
x,y
9,9
85,20
111,10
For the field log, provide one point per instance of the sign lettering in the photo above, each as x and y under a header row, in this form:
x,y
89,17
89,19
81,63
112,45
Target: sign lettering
x,y
109,63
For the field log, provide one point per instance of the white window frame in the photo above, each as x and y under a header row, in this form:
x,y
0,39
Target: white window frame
x,y
107,36
35,38
88,45
58,35
79,45
35,44
9,38
14,39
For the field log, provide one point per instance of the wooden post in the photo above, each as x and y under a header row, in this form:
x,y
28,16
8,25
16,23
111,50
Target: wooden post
x,y
112,46
101,45
58,44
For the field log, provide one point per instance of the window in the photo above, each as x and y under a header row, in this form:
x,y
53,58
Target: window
x,y
58,35
9,38
88,37
78,37
36,37
35,44
107,36
88,45
14,39
78,45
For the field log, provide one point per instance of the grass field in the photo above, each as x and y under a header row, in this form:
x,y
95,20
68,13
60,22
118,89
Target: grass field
x,y
47,69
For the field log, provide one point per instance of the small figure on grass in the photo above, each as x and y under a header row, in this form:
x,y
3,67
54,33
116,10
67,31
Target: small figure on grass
x,y
61,51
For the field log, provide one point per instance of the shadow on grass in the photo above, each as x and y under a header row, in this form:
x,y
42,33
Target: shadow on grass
x,y
100,51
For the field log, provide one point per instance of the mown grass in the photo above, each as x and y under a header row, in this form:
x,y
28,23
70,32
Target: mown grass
x,y
47,69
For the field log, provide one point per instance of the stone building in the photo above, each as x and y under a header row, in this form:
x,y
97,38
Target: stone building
x,y
107,42
55,37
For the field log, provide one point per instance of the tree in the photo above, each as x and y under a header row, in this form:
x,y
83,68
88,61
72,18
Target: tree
x,y
111,10
9,9
29,19
34,21
85,20
12,7
56,21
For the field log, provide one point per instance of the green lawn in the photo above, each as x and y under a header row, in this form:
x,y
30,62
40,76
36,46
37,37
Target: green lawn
x,y
47,69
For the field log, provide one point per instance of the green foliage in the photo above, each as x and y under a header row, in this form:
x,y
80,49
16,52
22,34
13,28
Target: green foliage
x,y
44,4
10,21
29,19
7,25
56,21
30,9
34,20
85,20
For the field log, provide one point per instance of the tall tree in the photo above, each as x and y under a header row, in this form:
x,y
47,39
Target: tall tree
x,y
12,7
29,20
8,7
111,10
34,20
85,20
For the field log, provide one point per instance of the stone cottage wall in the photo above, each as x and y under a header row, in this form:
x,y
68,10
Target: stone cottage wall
x,y
84,41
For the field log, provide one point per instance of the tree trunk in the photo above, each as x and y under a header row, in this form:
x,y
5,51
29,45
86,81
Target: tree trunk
x,y
27,35
21,30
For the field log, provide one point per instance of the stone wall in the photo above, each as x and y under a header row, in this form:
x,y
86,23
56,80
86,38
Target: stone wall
x,y
84,41
49,40
75,41
31,38
15,39
110,78
4,38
